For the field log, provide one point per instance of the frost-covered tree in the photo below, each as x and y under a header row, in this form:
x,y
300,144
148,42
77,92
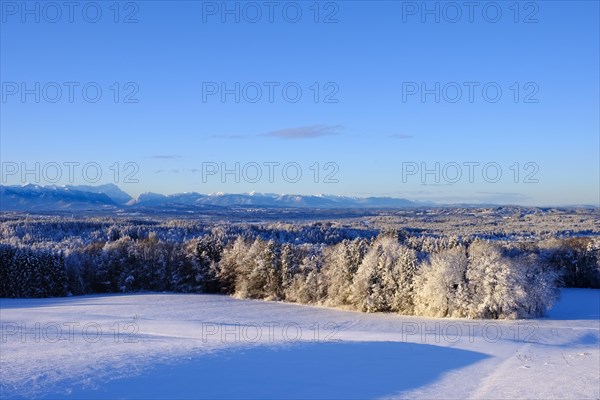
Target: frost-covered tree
x,y
26,272
148,267
441,286
308,285
208,254
184,271
231,264
577,260
364,263
539,286
289,267
341,264
495,287
504,286
271,259
51,273
7,254
384,280
365,283
114,262
368,292
258,273
403,274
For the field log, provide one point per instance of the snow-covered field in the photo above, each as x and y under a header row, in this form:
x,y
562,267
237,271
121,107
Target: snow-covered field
x,y
204,346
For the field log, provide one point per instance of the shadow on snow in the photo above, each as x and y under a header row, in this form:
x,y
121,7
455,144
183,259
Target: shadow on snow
x,y
310,370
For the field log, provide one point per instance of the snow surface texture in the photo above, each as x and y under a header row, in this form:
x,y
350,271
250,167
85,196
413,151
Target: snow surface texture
x,y
204,346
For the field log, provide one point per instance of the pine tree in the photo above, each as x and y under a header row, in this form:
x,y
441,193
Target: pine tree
x,y
183,270
403,273
230,265
341,266
289,268
253,274
308,286
7,255
368,289
337,274
208,254
25,275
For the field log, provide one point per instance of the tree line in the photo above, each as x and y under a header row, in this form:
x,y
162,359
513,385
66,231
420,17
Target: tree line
x,y
390,272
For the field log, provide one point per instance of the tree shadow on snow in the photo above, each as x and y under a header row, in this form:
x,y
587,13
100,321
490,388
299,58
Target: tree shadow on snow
x,y
315,370
577,304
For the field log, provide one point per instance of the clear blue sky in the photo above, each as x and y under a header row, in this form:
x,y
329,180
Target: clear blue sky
x,y
372,58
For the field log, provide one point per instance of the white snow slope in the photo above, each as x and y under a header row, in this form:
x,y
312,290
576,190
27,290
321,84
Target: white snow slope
x,y
150,346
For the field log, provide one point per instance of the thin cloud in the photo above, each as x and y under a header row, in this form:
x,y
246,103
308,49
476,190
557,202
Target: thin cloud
x,y
305,132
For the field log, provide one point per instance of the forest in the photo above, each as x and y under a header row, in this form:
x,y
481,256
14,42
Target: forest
x,y
346,264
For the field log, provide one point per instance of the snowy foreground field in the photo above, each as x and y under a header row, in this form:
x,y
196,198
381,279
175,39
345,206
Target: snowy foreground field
x,y
204,346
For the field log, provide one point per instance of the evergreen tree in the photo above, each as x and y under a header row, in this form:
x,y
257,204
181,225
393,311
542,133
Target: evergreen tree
x,y
7,256
230,264
208,254
289,267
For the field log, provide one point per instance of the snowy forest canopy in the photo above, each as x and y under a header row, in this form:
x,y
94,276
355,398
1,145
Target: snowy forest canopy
x,y
372,267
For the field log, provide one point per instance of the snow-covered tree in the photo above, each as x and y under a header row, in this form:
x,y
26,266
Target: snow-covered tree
x,y
342,263
208,255
441,286
384,280
231,264
539,286
495,287
258,275
289,267
403,274
308,285
184,269
7,254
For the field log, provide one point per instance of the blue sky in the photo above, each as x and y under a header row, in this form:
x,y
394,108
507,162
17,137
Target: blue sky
x,y
370,129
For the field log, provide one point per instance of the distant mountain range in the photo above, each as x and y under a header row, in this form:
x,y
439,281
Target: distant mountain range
x,y
105,197
46,198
